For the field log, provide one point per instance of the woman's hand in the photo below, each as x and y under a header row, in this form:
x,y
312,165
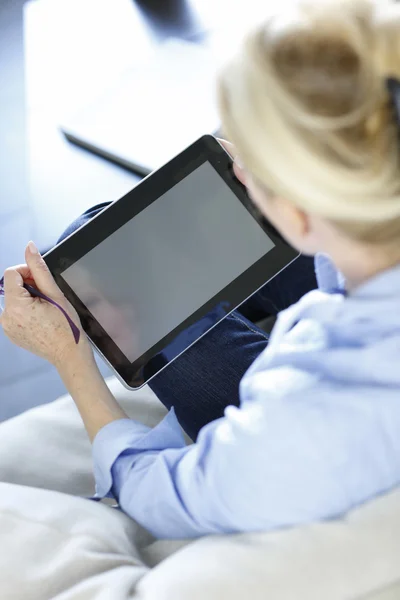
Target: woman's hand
x,y
41,328
237,165
37,325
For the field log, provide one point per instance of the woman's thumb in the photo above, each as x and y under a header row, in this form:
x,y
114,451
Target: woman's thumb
x,y
40,272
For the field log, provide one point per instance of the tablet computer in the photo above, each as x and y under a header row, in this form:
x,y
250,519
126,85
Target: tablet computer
x,y
157,269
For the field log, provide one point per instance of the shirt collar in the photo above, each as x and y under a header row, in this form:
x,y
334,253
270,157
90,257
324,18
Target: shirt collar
x,y
330,280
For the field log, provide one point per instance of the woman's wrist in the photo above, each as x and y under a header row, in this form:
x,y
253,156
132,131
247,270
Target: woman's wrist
x,y
78,371
85,384
74,356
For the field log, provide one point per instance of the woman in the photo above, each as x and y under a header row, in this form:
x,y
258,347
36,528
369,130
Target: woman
x,y
308,108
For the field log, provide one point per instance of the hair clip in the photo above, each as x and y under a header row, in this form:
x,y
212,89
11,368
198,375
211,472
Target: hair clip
x,y
34,292
393,86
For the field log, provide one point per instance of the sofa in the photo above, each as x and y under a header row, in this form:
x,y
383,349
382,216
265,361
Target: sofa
x,y
54,543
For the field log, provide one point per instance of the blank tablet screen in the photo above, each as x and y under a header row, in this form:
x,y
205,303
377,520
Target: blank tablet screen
x,y
165,263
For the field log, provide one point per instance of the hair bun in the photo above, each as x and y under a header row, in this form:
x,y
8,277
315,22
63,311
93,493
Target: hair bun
x,y
308,106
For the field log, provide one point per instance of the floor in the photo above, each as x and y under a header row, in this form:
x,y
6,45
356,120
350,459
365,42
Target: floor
x,y
25,380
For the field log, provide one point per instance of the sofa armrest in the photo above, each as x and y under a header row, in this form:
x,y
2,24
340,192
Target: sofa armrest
x,y
355,557
47,447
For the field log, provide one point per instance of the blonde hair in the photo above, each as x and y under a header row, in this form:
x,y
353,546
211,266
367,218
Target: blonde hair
x,y
307,106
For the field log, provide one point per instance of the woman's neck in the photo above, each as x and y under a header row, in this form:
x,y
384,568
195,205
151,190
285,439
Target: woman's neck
x,y
360,263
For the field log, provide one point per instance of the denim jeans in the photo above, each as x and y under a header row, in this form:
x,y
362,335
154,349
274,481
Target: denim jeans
x,y
205,379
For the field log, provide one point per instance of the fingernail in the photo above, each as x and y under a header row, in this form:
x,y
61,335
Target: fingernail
x,y
239,164
32,248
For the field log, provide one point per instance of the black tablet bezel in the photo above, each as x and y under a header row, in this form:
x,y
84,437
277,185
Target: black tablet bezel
x,y
65,254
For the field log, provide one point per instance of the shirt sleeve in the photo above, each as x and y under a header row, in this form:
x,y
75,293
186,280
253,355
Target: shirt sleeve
x,y
157,479
124,436
292,458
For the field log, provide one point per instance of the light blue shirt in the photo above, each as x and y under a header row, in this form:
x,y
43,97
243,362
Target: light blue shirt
x,y
317,432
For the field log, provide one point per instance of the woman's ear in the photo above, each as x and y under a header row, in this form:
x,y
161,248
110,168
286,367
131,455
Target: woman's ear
x,y
295,225
296,218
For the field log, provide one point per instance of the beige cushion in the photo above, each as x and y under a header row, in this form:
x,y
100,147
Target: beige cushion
x,y
390,593
68,548
344,559
48,447
57,546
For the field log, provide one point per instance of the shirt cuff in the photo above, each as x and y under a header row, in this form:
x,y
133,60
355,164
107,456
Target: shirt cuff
x,y
125,434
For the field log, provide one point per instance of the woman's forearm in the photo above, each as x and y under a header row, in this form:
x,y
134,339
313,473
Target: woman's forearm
x,y
90,393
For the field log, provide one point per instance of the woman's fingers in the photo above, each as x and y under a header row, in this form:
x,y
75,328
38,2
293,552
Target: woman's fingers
x,y
40,272
14,278
229,147
240,173
237,165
